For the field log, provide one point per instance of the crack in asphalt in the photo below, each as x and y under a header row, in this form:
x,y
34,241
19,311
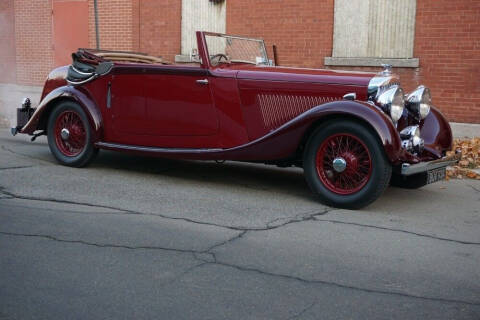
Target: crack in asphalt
x,y
207,257
101,245
198,254
181,275
424,235
303,216
298,315
24,155
19,167
340,285
475,189
270,225
223,243
94,244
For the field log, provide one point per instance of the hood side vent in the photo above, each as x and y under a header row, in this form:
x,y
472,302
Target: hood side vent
x,y
277,109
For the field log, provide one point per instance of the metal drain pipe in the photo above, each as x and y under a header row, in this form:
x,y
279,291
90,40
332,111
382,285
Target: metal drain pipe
x,y
97,35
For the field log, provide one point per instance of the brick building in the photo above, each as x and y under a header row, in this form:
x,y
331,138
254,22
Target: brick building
x,y
431,42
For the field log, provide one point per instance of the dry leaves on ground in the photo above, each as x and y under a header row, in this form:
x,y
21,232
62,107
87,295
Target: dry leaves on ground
x,y
470,159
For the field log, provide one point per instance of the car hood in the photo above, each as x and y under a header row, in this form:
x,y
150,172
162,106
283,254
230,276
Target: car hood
x,y
303,75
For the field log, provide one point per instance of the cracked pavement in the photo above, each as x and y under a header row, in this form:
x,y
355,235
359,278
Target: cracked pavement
x,y
135,237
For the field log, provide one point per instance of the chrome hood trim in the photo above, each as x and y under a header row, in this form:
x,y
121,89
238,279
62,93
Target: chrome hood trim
x,y
381,81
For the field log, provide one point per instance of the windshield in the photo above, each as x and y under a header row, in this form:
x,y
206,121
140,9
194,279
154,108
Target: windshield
x,y
230,49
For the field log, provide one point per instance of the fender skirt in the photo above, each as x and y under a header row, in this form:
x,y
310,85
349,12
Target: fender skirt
x,y
283,142
78,95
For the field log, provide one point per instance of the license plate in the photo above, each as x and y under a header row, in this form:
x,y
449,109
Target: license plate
x,y
436,175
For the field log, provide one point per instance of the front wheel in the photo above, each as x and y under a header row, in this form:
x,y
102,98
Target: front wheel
x,y
345,165
70,135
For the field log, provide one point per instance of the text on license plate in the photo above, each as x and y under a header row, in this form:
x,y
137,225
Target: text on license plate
x,y
435,175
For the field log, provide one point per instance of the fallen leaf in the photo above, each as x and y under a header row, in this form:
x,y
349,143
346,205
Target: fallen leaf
x,y
471,175
470,149
463,163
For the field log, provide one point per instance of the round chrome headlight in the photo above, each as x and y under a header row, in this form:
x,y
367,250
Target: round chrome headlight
x,y
419,102
392,101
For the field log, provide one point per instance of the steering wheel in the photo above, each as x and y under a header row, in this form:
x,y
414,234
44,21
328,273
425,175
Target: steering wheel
x,y
219,57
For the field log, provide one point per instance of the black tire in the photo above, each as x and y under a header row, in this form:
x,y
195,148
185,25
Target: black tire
x,y
367,189
414,181
83,152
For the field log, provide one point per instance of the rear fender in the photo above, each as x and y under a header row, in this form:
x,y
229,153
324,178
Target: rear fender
x,y
79,95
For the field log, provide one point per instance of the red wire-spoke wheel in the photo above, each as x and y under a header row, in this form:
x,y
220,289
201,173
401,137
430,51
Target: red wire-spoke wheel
x,y
70,134
343,163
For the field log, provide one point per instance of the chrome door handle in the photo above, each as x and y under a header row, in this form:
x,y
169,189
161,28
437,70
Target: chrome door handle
x,y
203,81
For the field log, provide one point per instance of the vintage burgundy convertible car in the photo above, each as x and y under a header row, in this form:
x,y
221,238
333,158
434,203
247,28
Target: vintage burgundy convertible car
x,y
352,132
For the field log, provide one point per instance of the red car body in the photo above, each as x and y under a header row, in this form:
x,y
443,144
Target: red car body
x,y
230,111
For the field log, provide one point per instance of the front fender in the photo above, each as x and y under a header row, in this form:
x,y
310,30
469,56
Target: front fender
x,y
370,115
283,142
79,95
436,132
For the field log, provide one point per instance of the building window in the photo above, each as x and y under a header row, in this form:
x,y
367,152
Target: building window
x,y
200,15
372,32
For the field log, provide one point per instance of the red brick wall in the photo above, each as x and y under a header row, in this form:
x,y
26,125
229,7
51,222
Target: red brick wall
x,y
160,27
7,40
302,30
116,24
447,41
33,34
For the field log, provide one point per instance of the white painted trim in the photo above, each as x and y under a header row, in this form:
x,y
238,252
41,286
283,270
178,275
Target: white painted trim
x,y
372,62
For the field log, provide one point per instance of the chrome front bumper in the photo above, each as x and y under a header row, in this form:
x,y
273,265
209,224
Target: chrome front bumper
x,y
408,169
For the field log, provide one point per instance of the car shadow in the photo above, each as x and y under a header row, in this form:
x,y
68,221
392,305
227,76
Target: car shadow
x,y
260,177
254,176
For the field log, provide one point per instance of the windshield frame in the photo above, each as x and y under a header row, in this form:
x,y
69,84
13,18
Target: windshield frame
x,y
222,35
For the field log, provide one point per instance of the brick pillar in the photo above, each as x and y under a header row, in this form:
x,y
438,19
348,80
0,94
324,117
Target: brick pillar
x,y
116,19
33,40
160,27
7,40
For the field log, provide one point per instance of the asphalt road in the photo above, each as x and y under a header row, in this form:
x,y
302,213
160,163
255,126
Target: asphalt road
x,y
142,238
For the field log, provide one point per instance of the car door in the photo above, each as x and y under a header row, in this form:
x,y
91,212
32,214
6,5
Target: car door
x,y
127,105
179,102
163,106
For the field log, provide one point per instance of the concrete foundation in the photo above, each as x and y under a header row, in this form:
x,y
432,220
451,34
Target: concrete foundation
x,y
11,96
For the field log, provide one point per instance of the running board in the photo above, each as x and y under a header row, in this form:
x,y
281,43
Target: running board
x,y
259,150
125,147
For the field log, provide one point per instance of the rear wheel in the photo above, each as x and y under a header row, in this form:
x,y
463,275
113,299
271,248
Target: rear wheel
x,y
345,165
70,135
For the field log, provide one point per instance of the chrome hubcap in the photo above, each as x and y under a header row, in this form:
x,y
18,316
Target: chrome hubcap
x,y
339,164
65,134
